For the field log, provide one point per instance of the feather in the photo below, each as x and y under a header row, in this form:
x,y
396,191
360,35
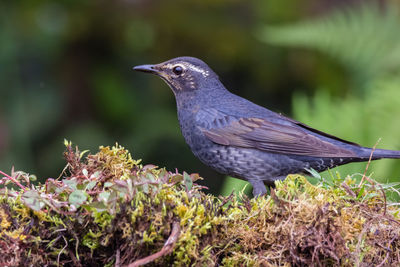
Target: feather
x,y
272,137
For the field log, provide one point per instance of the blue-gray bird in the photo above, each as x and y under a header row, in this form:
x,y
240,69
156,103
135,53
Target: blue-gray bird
x,y
239,138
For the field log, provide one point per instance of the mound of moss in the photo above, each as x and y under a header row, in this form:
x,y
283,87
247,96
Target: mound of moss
x,y
106,209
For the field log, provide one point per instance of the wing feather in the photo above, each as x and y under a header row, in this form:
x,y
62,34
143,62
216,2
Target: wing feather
x,y
273,137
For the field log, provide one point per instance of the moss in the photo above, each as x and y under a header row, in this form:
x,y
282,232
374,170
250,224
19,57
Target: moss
x,y
109,209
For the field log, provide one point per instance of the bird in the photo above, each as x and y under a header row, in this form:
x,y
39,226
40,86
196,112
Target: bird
x,y
239,138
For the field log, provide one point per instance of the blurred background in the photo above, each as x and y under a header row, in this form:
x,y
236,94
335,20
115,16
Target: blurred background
x,y
66,72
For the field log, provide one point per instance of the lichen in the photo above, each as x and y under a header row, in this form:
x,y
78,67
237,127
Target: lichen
x,y
108,209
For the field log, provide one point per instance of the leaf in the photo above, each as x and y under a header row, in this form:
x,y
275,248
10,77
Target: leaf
x,y
70,183
32,177
313,173
390,185
150,177
90,185
51,186
188,181
67,143
103,196
99,206
77,198
130,186
145,188
32,199
85,173
195,177
149,167
112,202
120,186
95,175
361,193
176,178
108,184
83,153
370,195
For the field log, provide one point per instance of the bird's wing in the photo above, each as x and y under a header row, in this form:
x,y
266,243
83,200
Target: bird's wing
x,y
270,136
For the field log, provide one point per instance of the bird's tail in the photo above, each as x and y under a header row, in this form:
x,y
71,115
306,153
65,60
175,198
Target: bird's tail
x,y
382,153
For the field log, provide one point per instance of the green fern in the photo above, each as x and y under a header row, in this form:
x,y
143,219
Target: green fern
x,y
365,38
365,120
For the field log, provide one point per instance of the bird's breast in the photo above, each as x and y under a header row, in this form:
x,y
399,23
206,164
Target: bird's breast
x,y
190,128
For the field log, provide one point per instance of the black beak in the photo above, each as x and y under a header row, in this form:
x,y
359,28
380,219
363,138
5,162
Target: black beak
x,y
146,68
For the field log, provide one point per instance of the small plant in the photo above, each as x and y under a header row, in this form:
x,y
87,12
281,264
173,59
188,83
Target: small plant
x,y
107,209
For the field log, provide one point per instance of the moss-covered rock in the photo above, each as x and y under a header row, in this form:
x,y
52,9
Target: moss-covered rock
x,y
107,209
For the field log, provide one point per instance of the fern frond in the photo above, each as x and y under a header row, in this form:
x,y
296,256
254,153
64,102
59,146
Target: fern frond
x,y
365,38
363,120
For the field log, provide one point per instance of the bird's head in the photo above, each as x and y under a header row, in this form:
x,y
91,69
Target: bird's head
x,y
183,74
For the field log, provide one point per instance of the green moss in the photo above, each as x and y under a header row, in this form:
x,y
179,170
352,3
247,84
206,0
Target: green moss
x,y
122,211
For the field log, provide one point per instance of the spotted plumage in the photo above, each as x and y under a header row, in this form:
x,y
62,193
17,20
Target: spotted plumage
x,y
239,138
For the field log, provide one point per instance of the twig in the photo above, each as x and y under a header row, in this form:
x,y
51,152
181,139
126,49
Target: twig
x,y
384,197
74,259
63,171
167,248
14,180
387,253
76,247
118,258
364,177
59,254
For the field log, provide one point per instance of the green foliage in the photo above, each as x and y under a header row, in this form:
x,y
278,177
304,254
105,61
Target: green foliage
x,y
109,209
105,200
363,119
364,38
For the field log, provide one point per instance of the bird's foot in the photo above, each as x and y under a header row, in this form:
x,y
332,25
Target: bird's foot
x,y
258,188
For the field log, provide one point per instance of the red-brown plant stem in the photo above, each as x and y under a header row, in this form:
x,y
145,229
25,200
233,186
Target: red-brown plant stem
x,y
14,180
167,248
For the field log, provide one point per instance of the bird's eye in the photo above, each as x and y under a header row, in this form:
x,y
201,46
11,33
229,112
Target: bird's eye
x,y
177,70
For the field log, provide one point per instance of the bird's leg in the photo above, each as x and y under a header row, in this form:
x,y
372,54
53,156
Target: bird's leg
x,y
258,188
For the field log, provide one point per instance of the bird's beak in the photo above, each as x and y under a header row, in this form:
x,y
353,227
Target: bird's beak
x,y
147,68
